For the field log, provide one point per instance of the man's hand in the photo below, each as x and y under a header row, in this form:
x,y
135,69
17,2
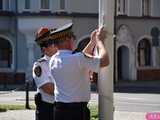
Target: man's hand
x,y
101,34
93,36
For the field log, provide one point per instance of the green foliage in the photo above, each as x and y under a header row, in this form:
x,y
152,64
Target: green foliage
x,y
94,112
13,107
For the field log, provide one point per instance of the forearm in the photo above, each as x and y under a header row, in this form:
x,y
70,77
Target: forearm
x,y
48,88
103,54
88,50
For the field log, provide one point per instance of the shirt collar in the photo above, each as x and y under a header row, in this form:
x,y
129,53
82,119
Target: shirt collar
x,y
46,57
65,51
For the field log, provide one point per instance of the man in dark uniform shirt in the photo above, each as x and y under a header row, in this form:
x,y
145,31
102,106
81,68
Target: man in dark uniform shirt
x,y
44,98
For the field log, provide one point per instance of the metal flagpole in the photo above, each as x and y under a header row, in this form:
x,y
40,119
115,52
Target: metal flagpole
x,y
105,82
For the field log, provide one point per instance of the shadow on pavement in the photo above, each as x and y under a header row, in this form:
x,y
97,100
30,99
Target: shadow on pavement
x,y
139,86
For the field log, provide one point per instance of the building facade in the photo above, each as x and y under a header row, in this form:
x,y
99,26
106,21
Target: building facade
x,y
137,29
20,19
137,44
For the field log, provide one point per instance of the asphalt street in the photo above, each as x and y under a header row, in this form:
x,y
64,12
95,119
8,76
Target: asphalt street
x,y
134,102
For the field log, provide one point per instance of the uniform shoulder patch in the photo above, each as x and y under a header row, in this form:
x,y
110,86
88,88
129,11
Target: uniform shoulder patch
x,y
38,71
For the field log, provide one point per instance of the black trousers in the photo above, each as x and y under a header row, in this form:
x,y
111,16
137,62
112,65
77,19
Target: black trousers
x,y
45,111
71,111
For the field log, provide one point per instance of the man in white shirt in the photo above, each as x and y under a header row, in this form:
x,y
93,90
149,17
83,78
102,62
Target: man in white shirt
x,y
72,84
44,98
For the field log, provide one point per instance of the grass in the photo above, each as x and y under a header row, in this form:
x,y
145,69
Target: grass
x,y
94,112
4,108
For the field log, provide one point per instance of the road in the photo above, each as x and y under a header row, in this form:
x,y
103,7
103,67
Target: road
x,y
132,102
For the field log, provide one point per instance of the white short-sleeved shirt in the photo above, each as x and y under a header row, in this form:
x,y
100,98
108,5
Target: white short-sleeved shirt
x,y
41,76
71,75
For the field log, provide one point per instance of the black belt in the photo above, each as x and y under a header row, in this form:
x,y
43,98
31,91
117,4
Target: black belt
x,y
47,103
71,105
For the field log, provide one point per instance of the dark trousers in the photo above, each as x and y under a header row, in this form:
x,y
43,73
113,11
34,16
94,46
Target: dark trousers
x,y
71,111
45,111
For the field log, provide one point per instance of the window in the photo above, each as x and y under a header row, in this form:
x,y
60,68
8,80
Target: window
x,y
44,4
121,7
1,4
144,53
7,5
27,4
118,6
145,7
62,4
5,54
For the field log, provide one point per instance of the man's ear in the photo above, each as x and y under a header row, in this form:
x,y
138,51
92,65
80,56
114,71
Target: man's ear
x,y
67,38
43,49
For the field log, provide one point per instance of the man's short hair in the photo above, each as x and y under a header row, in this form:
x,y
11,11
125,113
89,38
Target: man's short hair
x,y
59,35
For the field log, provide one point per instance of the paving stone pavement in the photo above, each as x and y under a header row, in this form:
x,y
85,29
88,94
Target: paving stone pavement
x,y
30,115
17,115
